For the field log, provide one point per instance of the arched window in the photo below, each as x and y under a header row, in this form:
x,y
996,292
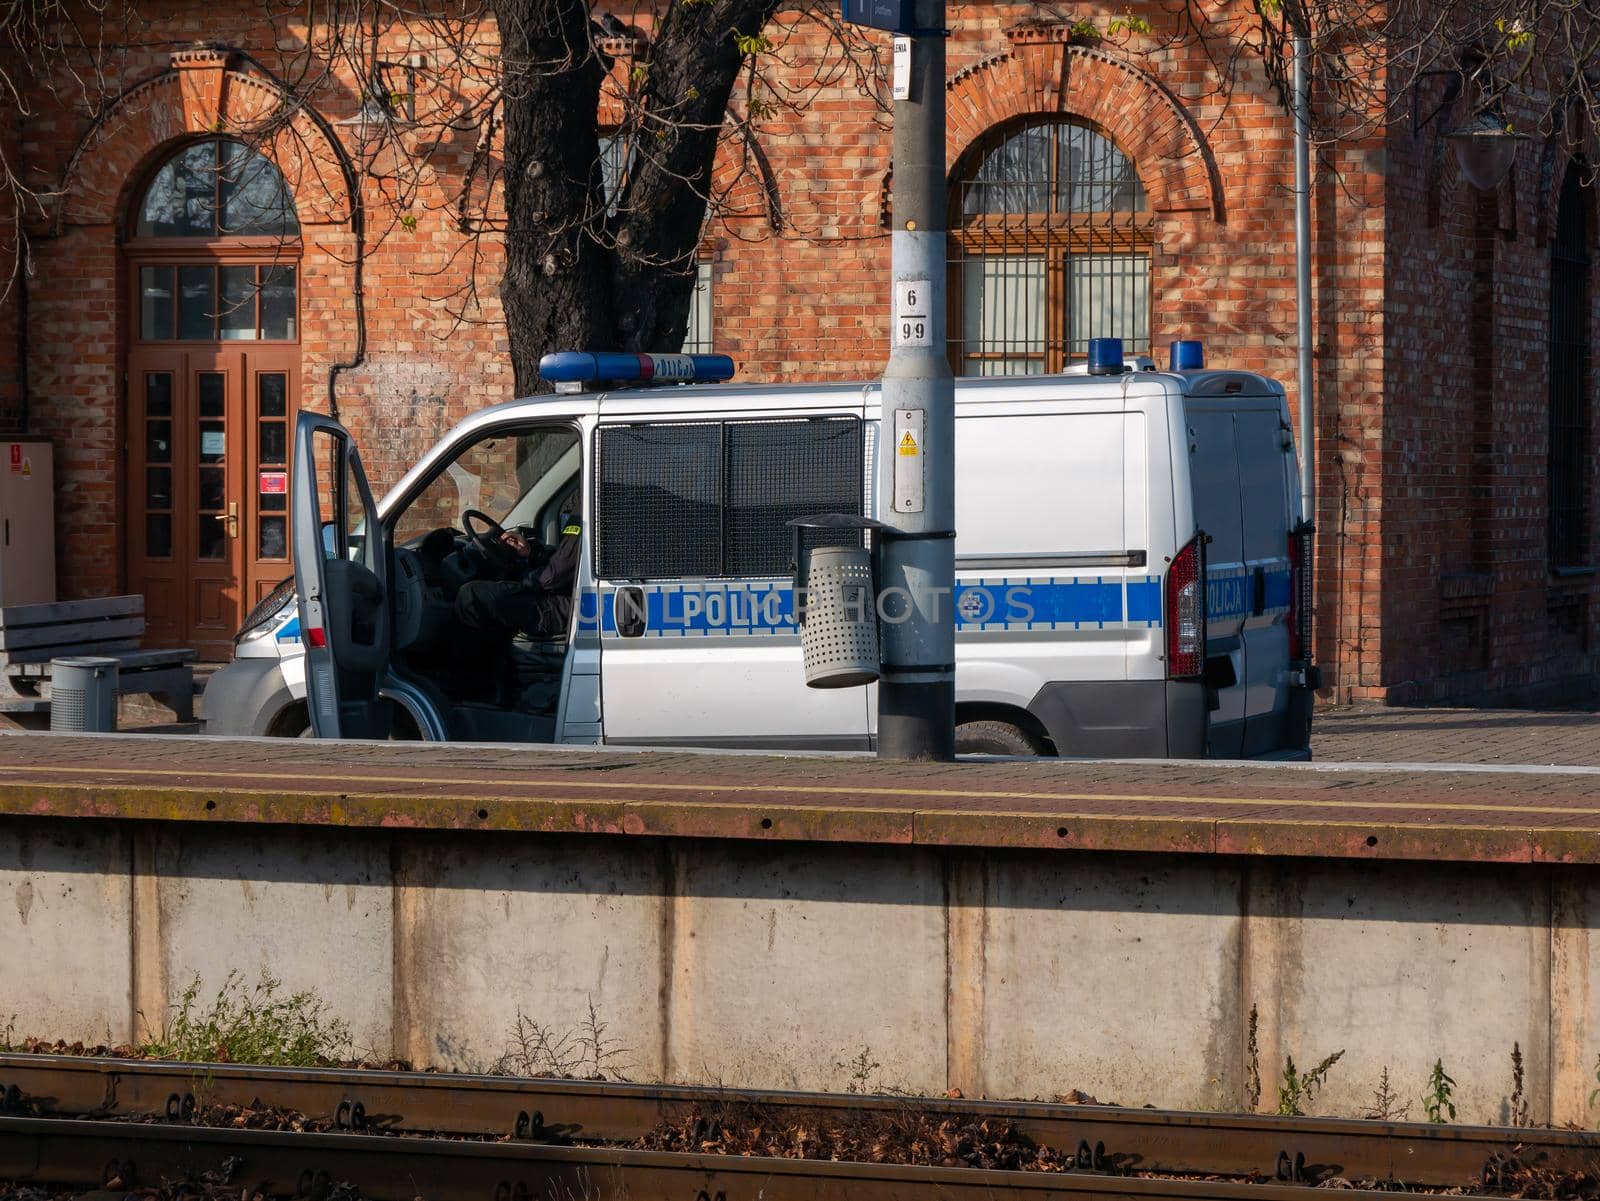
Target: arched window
x,y
217,189
1569,375
1050,246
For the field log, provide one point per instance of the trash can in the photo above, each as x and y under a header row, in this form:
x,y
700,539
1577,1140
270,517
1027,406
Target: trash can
x,y
83,694
839,636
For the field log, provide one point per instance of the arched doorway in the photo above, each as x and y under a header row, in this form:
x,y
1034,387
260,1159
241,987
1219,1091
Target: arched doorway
x,y
1050,237
213,384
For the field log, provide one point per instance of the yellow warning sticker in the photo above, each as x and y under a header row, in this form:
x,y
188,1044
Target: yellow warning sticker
x,y
908,444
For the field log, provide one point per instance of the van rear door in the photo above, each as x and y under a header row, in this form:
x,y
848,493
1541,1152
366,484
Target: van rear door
x,y
1218,504
1267,485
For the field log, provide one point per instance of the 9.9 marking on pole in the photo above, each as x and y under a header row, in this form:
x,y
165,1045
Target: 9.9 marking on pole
x,y
912,326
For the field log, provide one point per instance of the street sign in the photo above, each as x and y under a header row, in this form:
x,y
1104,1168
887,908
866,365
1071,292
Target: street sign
x,y
897,16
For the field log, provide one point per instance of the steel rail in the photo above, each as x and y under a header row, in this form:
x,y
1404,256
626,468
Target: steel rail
x,y
1291,1150
73,1152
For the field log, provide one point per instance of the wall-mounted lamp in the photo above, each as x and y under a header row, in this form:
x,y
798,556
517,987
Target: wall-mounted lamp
x,y
385,109
1486,147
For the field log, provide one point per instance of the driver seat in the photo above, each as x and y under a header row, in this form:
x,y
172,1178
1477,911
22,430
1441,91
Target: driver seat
x,y
535,673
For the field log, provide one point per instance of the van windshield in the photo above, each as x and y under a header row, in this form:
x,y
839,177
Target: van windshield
x,y
525,478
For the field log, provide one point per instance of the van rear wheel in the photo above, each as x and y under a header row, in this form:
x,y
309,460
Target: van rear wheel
x,y
995,738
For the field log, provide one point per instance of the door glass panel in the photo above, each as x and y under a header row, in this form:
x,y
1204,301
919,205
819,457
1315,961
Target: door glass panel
x,y
197,303
236,318
273,392
213,441
213,487
155,303
158,394
274,536
158,488
158,441
213,394
277,302
158,535
274,442
213,535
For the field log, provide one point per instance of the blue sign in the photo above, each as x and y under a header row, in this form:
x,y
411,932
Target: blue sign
x,y
897,16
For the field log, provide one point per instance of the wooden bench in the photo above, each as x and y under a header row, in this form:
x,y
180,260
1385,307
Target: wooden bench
x,y
110,627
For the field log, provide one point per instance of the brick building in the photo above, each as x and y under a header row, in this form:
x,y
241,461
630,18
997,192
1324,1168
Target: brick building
x,y
1095,189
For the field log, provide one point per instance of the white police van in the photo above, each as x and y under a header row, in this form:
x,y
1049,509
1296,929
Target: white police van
x,y
1132,568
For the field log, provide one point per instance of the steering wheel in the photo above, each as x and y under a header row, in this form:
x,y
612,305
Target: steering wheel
x,y
487,541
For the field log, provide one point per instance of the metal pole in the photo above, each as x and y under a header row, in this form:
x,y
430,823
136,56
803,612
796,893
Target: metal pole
x,y
1302,281
916,455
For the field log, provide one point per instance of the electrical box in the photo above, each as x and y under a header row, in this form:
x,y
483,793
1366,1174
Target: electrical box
x,y
27,524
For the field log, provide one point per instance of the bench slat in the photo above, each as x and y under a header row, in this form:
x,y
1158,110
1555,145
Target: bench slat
x,y
43,654
77,610
71,634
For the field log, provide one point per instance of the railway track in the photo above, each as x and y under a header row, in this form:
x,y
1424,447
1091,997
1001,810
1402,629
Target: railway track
x,y
80,1121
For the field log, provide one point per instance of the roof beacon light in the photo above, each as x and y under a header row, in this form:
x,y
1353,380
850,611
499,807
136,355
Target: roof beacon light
x,y
1188,356
583,366
1105,356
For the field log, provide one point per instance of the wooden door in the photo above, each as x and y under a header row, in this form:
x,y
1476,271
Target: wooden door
x,y
208,484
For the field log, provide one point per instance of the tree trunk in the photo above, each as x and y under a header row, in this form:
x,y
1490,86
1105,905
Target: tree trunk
x,y
556,289
694,63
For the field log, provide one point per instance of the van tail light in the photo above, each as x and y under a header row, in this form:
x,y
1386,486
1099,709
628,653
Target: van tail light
x,y
1186,611
1301,595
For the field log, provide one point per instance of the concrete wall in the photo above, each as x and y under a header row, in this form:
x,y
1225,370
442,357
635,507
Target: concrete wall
x,y
1011,974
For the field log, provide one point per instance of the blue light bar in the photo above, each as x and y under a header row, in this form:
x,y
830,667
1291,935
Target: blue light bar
x,y
1105,356
1188,355
582,366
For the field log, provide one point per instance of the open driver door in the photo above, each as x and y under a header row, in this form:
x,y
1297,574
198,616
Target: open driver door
x,y
341,572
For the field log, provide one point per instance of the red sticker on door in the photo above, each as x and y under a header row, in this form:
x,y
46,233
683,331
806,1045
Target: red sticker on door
x,y
16,456
274,483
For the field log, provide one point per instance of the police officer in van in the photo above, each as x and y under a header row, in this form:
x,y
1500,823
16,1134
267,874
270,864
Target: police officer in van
x,y
535,603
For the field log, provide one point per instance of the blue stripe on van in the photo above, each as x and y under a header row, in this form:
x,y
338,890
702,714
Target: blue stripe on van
x,y
766,607
1144,601
1230,591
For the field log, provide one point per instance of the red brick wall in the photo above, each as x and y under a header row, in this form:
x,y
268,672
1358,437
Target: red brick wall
x,y
1472,608
1396,458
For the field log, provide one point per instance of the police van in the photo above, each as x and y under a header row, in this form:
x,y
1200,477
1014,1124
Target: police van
x,y
1133,574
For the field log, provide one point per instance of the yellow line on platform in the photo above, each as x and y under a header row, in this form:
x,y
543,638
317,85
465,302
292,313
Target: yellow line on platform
x,y
281,779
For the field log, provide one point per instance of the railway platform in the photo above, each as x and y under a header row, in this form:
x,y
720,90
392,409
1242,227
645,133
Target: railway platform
x,y
1165,933
1433,812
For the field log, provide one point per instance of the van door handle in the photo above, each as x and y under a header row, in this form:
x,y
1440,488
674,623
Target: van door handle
x,y
1258,603
628,608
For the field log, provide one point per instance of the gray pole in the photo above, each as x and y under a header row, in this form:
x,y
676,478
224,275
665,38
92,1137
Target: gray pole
x,y
916,446
1302,281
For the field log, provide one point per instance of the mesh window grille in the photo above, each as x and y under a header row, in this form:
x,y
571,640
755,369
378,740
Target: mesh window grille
x,y
1049,248
1570,265
660,501
686,500
780,470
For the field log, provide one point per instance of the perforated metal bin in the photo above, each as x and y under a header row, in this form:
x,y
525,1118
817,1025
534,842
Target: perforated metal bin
x,y
83,694
840,633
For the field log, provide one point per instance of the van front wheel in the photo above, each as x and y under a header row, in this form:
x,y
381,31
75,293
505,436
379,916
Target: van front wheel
x,y
994,738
